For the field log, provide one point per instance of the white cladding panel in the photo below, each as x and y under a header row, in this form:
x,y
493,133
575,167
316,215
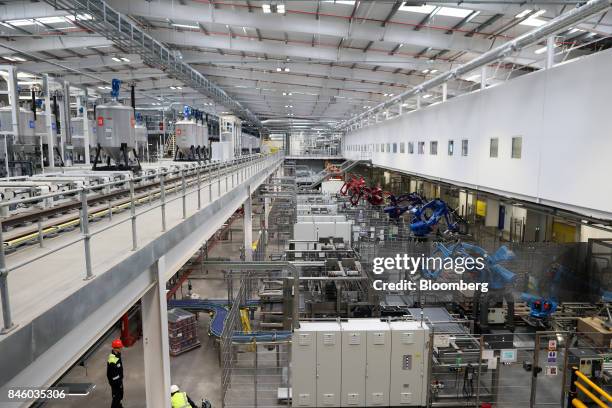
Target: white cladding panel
x,y
378,367
353,365
553,146
408,364
329,347
309,231
304,368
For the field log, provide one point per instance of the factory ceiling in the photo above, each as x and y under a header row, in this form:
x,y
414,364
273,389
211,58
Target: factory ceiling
x,y
316,61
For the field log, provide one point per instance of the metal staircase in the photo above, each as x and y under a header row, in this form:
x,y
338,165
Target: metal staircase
x,y
324,174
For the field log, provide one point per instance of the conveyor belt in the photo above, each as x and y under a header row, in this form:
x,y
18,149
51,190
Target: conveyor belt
x,y
218,308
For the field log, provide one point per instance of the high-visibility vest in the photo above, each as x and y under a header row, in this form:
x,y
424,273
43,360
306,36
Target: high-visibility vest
x,y
113,359
179,400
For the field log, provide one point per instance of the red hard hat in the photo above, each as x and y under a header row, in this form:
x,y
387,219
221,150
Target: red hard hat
x,y
117,343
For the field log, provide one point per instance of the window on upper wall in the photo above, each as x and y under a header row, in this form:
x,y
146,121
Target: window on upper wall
x,y
517,147
493,147
377,148
410,147
464,147
402,147
451,147
394,147
433,147
388,147
421,148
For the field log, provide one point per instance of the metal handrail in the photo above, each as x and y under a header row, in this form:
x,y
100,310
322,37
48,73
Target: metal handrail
x,y
244,166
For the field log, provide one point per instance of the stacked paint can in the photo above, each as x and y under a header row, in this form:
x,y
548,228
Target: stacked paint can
x,y
182,331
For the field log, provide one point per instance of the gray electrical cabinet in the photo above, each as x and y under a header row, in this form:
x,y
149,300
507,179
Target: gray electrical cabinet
x,y
329,353
354,348
408,363
359,363
304,367
366,352
378,369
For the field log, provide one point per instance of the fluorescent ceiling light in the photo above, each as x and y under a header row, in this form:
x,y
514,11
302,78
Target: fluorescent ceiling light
x,y
266,8
51,20
19,59
9,59
433,71
19,23
101,87
533,19
454,12
425,71
179,87
442,11
278,69
424,9
173,87
80,17
575,30
116,59
125,59
193,27
473,78
287,69
426,96
523,13
533,22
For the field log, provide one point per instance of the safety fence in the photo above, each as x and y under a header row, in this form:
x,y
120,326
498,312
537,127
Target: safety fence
x,y
509,370
191,188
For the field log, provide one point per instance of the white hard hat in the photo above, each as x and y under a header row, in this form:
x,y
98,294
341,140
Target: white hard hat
x,y
174,388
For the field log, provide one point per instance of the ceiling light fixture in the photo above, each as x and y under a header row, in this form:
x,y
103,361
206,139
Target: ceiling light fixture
x,y
116,59
193,27
523,13
125,59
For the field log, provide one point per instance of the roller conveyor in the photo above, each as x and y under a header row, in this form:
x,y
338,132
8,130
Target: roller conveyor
x,y
219,310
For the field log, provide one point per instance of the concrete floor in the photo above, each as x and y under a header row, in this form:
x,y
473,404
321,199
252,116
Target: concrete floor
x,y
196,371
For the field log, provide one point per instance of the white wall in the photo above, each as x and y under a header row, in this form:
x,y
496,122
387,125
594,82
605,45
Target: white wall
x,y
563,115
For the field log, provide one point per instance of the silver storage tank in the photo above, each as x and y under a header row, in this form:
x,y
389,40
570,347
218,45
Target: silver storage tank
x,y
26,125
186,136
115,127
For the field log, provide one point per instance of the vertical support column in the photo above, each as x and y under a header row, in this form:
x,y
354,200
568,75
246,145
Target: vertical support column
x,y
66,118
483,77
248,226
550,52
266,213
50,125
155,340
444,91
86,128
14,101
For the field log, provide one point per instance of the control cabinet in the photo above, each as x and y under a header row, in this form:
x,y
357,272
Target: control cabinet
x,y
408,363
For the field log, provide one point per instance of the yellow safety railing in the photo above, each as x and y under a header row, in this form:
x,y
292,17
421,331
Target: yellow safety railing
x,y
576,385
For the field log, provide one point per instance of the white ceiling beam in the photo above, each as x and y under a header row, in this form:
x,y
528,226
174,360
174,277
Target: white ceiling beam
x,y
89,62
54,43
196,39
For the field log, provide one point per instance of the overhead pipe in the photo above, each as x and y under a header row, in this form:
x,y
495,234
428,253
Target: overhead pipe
x,y
554,26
